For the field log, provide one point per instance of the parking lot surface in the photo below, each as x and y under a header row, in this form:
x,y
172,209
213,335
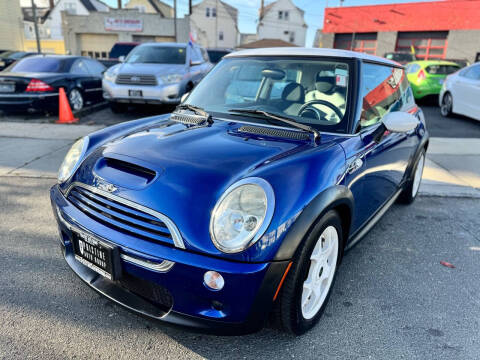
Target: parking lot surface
x,y
392,299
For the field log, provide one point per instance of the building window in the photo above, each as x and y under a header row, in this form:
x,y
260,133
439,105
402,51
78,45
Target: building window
x,y
285,15
207,12
291,38
140,8
214,12
70,7
361,42
427,45
280,15
220,36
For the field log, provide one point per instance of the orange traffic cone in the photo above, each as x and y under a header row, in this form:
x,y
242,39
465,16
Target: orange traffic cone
x,y
65,115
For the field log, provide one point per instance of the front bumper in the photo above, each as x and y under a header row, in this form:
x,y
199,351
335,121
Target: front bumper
x,y
158,94
241,306
29,102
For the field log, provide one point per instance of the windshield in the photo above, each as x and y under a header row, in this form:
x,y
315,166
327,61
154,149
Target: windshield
x,y
309,91
120,50
157,55
41,65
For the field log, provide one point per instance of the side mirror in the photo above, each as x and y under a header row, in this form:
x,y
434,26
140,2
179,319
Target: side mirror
x,y
184,97
399,122
195,63
121,58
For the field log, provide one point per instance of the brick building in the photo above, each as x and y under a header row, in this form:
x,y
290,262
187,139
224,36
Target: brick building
x,y
435,29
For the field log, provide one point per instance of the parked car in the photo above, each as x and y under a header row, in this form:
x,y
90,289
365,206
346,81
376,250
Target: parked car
x,y
400,57
460,93
32,83
119,51
155,73
427,76
217,54
9,57
223,212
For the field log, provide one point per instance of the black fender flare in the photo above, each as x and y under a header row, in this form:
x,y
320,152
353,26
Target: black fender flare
x,y
335,197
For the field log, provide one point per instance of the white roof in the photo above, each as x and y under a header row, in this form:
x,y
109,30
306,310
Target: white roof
x,y
299,51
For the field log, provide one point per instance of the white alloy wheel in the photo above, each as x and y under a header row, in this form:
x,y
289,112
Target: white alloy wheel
x,y
417,179
446,108
323,263
76,100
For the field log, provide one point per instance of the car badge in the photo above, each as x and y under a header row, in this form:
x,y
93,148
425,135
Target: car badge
x,y
107,187
81,245
135,78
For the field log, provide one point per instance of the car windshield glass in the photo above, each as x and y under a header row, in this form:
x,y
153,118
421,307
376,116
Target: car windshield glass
x,y
157,55
41,65
442,69
216,55
120,50
309,91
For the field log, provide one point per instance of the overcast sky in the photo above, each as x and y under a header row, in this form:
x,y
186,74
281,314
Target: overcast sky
x,y
248,11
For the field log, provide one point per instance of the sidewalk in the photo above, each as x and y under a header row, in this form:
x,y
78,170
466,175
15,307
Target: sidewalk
x,y
452,168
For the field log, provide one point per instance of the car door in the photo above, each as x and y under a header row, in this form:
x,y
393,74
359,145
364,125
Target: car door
x,y
83,79
376,158
96,70
467,92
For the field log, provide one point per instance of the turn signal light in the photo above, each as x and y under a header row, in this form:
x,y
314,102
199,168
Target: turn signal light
x,y
420,76
38,85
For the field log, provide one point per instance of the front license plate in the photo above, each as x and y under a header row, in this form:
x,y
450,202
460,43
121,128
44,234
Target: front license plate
x,y
7,88
2,63
99,256
441,81
135,93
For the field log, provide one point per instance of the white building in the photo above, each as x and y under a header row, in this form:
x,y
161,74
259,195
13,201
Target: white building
x,y
283,20
214,24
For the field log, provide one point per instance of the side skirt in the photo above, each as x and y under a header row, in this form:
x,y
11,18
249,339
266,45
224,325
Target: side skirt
x,y
373,220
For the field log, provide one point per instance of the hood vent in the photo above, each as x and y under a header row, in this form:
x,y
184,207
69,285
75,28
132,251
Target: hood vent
x,y
289,134
188,118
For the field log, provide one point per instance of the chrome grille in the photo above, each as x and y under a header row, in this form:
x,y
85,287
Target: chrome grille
x,y
123,215
134,79
256,130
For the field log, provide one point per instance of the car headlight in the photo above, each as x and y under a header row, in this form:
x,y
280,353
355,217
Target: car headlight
x,y
171,78
72,159
111,74
242,215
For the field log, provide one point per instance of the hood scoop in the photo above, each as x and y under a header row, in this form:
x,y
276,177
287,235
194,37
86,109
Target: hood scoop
x,y
189,117
264,131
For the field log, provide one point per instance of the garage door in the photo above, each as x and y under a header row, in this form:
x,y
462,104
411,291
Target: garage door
x,y
361,42
96,46
427,45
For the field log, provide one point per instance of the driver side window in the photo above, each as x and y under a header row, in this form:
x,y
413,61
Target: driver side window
x,y
381,92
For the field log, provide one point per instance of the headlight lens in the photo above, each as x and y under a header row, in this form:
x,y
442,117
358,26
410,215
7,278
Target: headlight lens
x,y
111,74
242,215
72,159
171,78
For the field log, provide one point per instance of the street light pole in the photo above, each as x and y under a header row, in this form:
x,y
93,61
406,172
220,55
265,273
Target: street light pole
x,y
35,25
175,18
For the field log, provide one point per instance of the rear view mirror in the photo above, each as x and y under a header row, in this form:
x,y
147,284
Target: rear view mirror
x,y
399,121
275,74
184,97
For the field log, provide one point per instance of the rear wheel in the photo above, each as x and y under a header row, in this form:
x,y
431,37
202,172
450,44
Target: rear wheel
x,y
447,104
309,282
75,99
410,191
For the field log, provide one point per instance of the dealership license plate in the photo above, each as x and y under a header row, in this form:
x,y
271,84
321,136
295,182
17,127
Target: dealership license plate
x,y
95,254
2,63
6,88
135,93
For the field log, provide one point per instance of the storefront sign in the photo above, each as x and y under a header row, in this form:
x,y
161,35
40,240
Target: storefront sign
x,y
123,24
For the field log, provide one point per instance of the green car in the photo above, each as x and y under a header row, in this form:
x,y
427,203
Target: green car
x,y
427,76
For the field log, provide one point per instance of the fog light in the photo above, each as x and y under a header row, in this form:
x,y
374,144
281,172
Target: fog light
x,y
213,280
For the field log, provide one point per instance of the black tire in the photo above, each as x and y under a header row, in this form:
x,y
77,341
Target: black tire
x,y
118,108
287,313
447,105
408,196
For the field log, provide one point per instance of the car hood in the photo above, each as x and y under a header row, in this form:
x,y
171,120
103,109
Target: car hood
x,y
181,171
154,69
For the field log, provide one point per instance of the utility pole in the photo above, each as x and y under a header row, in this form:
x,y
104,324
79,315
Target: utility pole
x,y
216,23
35,25
175,18
261,10
189,7
119,4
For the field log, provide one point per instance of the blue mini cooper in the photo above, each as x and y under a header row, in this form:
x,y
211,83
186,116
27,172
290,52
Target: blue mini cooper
x,y
238,206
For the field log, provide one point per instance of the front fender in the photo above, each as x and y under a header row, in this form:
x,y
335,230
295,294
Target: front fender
x,y
336,197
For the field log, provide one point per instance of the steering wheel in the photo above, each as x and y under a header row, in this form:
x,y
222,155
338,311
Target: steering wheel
x,y
309,106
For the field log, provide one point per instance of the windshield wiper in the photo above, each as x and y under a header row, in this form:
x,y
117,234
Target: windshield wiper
x,y
284,119
196,110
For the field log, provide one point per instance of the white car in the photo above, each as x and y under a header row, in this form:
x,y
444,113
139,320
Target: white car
x,y
460,93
